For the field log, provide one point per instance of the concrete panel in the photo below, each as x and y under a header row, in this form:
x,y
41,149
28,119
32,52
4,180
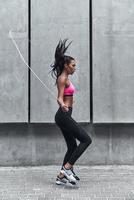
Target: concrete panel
x,y
43,144
113,60
52,20
13,72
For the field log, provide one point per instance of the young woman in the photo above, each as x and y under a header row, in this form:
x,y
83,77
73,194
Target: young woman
x,y
64,66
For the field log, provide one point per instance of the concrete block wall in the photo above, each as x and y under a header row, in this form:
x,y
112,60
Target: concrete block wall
x,y
43,144
113,72
13,73
49,23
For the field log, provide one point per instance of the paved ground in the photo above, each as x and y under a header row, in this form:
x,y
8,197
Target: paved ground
x,y
38,183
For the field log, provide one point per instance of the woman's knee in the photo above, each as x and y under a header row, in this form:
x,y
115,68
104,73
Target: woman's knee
x,y
88,140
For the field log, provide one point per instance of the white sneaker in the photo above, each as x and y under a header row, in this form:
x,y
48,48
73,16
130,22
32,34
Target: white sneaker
x,y
69,174
64,181
61,181
77,178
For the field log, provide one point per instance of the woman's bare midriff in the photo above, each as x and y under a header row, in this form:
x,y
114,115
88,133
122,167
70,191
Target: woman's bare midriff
x,y
68,100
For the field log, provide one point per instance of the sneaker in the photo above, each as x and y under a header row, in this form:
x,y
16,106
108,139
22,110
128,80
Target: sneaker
x,y
64,181
69,174
77,178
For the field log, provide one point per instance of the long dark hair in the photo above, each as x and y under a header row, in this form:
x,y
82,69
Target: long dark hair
x,y
60,59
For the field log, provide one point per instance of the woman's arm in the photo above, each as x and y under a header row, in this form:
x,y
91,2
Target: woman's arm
x,y
61,85
60,101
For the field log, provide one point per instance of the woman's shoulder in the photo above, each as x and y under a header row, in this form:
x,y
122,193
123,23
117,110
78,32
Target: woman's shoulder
x,y
62,79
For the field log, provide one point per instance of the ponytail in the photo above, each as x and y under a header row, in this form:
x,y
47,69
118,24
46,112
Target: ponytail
x,y
60,59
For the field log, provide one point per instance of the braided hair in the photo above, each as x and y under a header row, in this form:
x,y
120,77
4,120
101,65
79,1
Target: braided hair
x,y
60,59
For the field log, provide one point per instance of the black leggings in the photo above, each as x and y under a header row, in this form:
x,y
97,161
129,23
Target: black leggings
x,y
71,130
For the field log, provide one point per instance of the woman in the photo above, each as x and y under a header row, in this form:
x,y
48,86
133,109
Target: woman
x,y
63,67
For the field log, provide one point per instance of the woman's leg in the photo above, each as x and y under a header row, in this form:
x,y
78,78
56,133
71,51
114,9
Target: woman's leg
x,y
60,119
66,122
70,142
78,132
71,146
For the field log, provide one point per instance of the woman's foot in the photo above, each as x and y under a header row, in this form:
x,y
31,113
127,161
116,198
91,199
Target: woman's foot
x,y
62,180
77,178
61,175
68,174
69,166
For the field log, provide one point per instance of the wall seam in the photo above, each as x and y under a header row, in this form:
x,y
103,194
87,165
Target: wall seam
x,y
91,59
29,59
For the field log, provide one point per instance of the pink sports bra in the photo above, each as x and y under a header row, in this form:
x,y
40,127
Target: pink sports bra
x,y
69,90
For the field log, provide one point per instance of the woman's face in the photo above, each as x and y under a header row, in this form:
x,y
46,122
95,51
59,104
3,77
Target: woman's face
x,y
71,67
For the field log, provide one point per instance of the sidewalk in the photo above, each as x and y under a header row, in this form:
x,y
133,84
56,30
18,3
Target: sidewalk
x,y
38,183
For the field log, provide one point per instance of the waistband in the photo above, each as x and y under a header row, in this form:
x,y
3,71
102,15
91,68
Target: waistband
x,y
69,107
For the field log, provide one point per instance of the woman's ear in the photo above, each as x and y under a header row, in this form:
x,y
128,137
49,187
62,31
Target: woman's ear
x,y
65,65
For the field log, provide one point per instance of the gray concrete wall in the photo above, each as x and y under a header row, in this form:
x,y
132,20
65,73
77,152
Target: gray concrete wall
x,y
13,72
52,20
113,60
43,144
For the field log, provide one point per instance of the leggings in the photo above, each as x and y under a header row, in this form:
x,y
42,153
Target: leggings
x,y
71,131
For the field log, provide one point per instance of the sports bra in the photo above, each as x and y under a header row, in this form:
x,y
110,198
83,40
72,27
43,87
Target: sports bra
x,y
68,91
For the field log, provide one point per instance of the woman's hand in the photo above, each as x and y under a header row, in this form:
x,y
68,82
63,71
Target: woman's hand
x,y
64,108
